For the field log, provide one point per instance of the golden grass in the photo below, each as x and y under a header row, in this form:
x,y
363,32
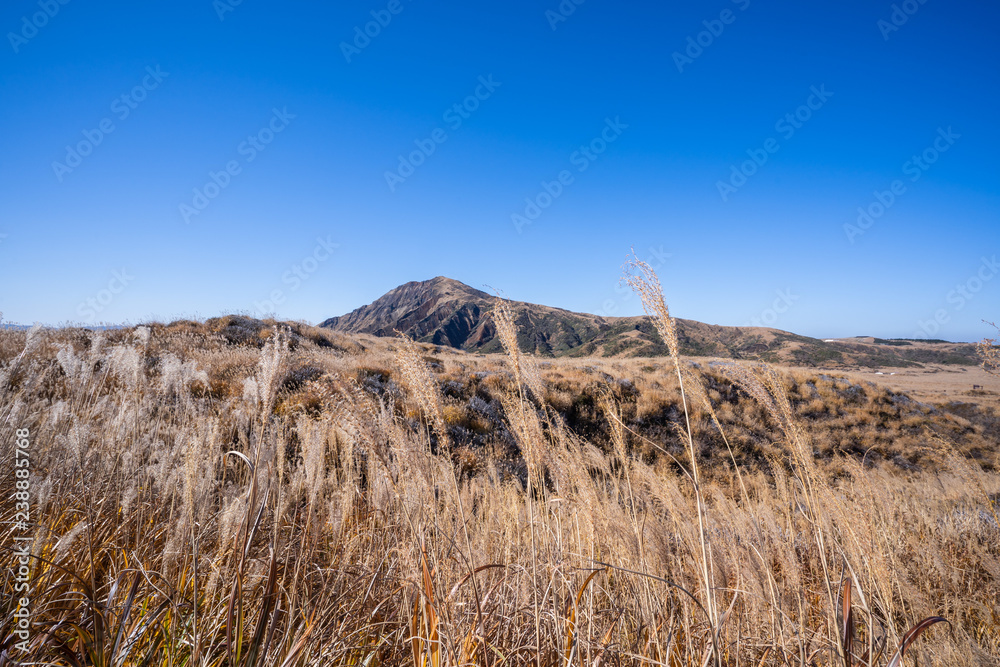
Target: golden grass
x,y
238,493
989,352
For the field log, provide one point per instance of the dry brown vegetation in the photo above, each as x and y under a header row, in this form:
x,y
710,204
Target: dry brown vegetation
x,y
989,352
239,492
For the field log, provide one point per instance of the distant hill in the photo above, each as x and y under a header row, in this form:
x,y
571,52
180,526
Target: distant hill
x,y
447,312
92,327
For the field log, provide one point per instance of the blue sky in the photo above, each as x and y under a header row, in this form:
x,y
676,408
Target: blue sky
x,y
265,156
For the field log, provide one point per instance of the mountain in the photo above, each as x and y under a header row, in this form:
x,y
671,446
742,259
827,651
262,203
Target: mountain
x,y
447,312
443,311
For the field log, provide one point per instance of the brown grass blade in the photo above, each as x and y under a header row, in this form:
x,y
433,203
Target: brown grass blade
x,y
911,637
234,621
847,623
605,641
571,621
424,624
293,654
126,611
257,647
454,589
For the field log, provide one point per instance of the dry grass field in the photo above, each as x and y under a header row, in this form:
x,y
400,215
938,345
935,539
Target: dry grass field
x,y
938,383
239,492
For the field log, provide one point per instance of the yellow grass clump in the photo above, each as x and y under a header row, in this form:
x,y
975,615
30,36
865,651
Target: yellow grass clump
x,y
989,352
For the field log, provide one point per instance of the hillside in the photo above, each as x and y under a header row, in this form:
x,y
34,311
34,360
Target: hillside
x,y
447,312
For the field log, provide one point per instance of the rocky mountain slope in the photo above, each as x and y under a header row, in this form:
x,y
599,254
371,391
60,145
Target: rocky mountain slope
x,y
447,312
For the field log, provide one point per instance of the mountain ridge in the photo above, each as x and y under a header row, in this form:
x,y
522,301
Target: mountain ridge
x,y
444,311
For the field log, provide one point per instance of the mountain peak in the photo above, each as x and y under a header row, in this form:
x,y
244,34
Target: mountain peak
x,y
446,284
445,311
441,310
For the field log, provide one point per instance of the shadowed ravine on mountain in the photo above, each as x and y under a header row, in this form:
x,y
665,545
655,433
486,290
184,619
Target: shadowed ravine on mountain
x,y
447,312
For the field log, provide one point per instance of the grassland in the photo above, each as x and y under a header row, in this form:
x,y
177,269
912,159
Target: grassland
x,y
238,492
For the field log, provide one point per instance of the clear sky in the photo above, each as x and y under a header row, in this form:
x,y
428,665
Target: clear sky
x,y
191,158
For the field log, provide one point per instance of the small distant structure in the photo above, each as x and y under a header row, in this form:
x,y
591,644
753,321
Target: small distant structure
x,y
977,386
829,340
879,373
